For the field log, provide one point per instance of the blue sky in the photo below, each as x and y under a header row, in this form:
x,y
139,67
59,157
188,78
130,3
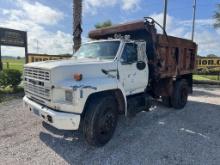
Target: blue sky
x,y
49,22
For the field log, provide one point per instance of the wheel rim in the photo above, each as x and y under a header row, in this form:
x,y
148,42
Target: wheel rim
x,y
106,125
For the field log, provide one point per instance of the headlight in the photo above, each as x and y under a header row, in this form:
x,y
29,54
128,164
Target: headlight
x,y
69,96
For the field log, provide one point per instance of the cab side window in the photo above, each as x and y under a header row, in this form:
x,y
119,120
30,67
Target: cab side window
x,y
130,54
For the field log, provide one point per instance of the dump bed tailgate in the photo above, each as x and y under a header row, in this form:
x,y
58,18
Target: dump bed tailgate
x,y
176,56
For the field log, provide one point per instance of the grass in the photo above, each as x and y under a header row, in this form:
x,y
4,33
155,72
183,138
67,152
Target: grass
x,y
206,77
17,64
9,90
212,77
8,93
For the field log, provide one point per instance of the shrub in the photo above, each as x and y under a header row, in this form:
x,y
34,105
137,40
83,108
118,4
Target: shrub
x,y
10,77
3,79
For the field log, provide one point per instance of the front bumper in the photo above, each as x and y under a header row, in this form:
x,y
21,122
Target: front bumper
x,y
59,120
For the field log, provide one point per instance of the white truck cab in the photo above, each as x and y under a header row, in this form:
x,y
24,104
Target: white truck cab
x,y
90,89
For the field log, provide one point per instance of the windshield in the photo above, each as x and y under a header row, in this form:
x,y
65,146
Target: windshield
x,y
100,50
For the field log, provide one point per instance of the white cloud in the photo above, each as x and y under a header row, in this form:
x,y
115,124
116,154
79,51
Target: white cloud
x,y
200,22
35,12
40,13
91,6
34,18
159,18
13,13
172,25
100,3
48,42
208,40
130,5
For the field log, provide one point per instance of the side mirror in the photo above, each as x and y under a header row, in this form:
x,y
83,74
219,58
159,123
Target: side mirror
x,y
141,65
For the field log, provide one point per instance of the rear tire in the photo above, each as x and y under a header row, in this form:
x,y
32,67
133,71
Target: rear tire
x,y
100,120
180,94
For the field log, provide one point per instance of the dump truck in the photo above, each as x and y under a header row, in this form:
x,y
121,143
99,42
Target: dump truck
x,y
122,70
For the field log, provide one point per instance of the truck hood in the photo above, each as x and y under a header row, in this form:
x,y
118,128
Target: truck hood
x,y
60,63
63,70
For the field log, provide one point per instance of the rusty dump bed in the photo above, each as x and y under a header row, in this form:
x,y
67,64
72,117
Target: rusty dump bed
x,y
168,56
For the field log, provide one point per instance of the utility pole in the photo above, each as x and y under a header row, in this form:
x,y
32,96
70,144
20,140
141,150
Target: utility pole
x,y
165,15
1,65
194,18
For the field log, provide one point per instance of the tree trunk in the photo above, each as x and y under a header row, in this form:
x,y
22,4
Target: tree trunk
x,y
77,21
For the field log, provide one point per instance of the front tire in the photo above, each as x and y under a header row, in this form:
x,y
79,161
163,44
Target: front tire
x,y
100,120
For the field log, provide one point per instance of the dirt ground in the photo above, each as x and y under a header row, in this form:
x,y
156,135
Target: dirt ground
x,y
162,136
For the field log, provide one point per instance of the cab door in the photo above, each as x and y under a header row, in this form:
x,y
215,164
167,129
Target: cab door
x,y
133,73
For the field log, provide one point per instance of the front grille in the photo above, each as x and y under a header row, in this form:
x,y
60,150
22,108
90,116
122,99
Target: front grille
x,y
37,84
40,92
36,73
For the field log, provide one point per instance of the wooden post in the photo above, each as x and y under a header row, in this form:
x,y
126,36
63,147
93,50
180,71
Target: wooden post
x,y
7,64
26,49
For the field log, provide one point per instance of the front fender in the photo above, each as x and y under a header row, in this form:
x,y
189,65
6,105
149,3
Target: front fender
x,y
85,88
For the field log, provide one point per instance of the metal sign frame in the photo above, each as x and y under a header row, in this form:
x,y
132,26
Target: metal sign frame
x,y
15,38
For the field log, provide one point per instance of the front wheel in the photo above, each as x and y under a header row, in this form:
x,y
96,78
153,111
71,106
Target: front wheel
x,y
100,120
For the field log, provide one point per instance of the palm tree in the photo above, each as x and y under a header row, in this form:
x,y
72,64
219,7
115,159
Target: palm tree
x,y
77,21
217,17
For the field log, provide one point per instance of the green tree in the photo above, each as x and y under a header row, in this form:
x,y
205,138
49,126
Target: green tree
x,y
211,55
103,24
217,17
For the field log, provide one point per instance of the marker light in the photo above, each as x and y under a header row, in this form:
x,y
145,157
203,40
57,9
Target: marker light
x,y
78,76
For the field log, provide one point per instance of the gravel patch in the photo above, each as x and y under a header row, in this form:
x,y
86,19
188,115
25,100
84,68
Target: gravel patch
x,y
162,136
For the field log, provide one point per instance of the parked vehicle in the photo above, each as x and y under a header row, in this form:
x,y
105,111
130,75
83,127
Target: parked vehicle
x,y
119,72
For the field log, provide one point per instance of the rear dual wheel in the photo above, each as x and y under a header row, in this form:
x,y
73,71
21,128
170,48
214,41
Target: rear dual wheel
x,y
179,97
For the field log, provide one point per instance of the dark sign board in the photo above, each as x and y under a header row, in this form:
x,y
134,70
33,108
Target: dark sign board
x,y
10,37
